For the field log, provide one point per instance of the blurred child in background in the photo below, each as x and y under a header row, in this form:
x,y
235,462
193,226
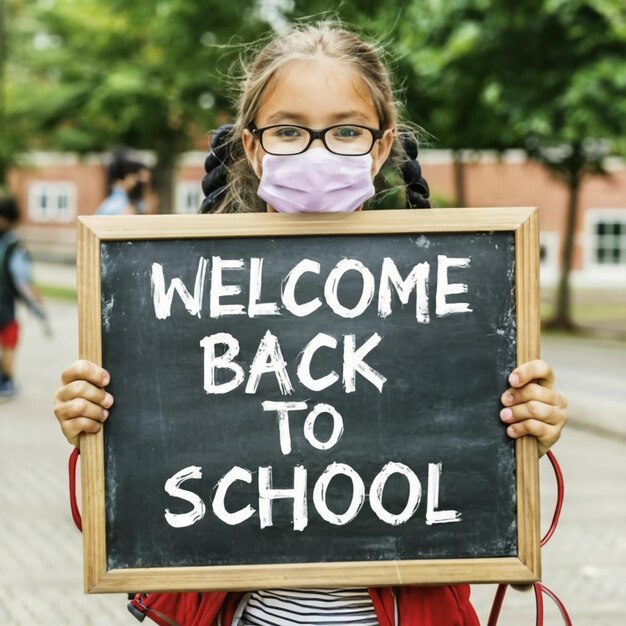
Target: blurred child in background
x,y
129,182
16,283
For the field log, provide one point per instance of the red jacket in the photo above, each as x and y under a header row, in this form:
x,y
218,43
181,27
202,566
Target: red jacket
x,y
417,606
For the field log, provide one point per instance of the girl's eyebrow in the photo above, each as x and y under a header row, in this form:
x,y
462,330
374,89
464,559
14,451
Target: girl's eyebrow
x,y
301,119
350,115
282,116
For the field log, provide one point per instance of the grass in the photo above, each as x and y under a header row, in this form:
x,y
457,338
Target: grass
x,y
589,306
590,312
57,293
595,312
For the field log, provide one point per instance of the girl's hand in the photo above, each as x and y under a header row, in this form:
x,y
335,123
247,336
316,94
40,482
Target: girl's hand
x,y
532,406
81,404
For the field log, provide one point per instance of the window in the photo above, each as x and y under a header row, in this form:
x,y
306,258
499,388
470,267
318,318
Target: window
x,y
608,240
188,197
548,255
52,202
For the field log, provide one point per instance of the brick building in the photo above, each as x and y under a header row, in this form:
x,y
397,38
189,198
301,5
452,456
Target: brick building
x,y
55,188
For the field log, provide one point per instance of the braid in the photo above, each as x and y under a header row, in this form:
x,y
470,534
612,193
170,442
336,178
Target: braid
x,y
215,181
417,190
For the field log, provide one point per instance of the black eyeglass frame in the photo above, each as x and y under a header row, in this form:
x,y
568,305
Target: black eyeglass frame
x,y
377,134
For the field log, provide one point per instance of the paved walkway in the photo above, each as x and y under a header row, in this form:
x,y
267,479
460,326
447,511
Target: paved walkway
x,y
41,551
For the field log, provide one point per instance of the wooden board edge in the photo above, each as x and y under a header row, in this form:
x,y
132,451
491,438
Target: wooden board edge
x,y
528,348
91,446
305,224
359,574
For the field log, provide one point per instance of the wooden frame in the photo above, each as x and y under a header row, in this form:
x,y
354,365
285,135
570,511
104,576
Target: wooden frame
x,y
524,568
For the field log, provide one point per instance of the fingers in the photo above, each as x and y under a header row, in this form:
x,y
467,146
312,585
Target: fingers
x,y
546,434
81,403
85,370
533,400
532,406
537,370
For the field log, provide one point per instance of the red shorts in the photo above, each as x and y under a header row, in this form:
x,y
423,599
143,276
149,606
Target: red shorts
x,y
9,335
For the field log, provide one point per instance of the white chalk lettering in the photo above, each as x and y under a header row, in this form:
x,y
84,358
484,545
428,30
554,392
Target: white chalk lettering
x,y
267,359
432,500
309,426
282,409
267,495
304,367
172,487
353,363
417,279
332,285
390,281
223,484
298,493
256,308
443,307
162,300
289,289
212,362
376,494
321,486
219,290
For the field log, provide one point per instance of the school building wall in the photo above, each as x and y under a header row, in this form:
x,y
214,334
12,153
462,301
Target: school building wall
x,y
53,189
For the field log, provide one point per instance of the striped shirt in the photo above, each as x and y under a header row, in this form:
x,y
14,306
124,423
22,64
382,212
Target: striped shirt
x,y
305,607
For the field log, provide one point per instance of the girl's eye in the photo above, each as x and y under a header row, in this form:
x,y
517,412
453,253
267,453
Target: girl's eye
x,y
287,132
347,132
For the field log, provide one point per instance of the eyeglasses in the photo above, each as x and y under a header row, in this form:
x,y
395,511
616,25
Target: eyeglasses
x,y
343,139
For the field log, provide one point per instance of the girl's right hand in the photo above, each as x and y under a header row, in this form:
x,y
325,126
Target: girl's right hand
x,y
81,404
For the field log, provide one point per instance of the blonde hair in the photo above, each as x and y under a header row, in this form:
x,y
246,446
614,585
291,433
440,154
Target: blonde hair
x,y
325,39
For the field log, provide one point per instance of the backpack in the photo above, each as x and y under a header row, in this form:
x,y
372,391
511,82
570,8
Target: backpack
x,y
8,290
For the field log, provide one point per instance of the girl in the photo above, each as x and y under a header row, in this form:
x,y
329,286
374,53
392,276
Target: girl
x,y
316,122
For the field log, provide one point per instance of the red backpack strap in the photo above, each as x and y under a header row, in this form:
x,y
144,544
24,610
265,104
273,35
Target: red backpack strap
x,y
73,461
539,588
178,609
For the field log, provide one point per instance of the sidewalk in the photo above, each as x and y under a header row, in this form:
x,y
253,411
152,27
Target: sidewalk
x,y
55,275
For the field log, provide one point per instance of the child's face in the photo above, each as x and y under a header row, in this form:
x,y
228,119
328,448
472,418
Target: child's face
x,y
317,94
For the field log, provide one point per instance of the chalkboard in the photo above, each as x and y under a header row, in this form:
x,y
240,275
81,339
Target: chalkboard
x,y
308,400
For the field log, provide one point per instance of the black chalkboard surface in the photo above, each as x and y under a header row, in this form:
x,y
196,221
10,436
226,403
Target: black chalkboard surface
x,y
308,401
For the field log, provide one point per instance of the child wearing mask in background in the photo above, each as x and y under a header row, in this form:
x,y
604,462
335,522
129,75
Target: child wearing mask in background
x,y
129,181
316,121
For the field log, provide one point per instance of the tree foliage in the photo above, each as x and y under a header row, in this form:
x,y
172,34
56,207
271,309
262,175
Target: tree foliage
x,y
548,76
151,74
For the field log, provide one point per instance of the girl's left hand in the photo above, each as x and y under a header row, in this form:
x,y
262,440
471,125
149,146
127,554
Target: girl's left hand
x,y
532,406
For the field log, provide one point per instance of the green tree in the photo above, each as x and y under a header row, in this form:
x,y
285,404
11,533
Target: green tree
x,y
439,57
3,63
150,74
13,127
546,75
566,97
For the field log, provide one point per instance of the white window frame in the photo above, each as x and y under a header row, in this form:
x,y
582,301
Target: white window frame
x,y
603,271
186,189
53,192
549,267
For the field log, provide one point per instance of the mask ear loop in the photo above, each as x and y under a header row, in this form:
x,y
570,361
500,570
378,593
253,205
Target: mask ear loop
x,y
539,588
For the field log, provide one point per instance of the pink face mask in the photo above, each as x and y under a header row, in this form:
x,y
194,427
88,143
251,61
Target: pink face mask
x,y
316,181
